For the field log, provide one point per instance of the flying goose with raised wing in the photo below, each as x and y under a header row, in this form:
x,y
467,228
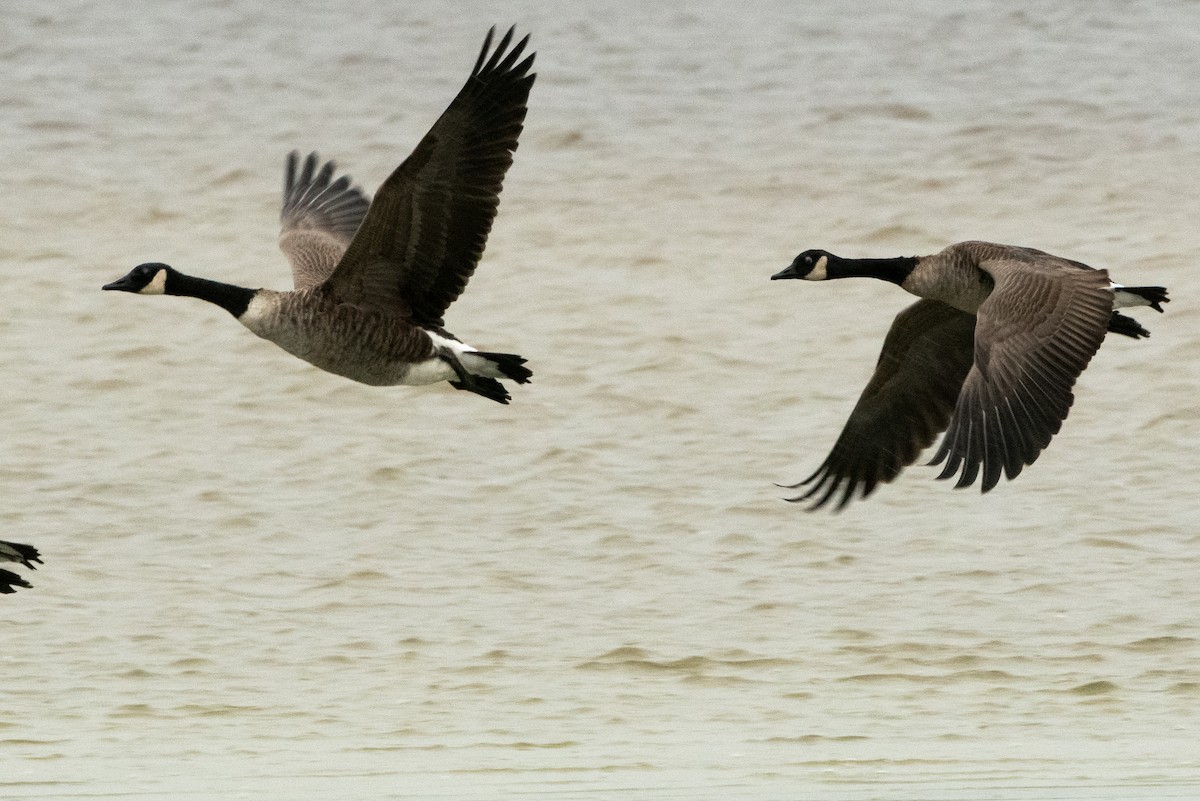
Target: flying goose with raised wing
x,y
989,355
372,280
16,552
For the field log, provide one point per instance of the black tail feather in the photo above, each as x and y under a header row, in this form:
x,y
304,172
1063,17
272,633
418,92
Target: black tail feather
x,y
1156,295
1122,324
489,388
510,364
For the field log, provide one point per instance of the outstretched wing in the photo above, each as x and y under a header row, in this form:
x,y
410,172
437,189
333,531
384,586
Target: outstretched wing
x,y
905,405
427,226
9,580
1034,335
16,552
319,218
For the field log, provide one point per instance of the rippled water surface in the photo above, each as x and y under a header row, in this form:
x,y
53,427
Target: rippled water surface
x,y
264,581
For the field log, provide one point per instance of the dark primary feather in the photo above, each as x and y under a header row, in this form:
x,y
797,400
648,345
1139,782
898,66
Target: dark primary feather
x,y
1123,324
318,219
425,231
906,404
313,200
9,580
17,552
1018,393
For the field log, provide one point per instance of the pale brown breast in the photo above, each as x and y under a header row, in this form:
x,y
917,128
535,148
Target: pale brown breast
x,y
953,277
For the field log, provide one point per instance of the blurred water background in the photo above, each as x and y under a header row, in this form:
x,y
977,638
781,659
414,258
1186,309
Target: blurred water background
x,y
264,581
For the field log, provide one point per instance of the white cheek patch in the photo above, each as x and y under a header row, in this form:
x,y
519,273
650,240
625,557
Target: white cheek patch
x,y
817,273
157,285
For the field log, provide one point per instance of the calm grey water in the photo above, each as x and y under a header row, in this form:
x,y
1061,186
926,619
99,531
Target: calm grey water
x,y
263,581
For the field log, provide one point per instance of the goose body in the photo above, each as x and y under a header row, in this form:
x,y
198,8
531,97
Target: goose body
x,y
373,278
22,554
989,355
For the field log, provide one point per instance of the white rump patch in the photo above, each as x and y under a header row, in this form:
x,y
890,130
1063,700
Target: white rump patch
x,y
452,345
1123,299
437,369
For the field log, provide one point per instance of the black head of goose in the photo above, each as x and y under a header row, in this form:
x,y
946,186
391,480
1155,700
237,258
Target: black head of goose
x,y
22,554
989,355
373,279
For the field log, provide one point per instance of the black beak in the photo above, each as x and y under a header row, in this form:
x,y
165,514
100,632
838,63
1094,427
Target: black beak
x,y
122,285
786,272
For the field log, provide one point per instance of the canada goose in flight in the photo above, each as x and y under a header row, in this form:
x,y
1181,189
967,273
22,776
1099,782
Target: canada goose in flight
x,y
372,280
989,356
16,552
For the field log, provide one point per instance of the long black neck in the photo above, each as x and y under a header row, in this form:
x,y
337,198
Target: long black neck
x,y
895,270
233,299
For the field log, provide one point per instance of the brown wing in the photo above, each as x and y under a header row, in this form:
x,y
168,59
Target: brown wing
x,y
906,404
1035,333
319,218
429,222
